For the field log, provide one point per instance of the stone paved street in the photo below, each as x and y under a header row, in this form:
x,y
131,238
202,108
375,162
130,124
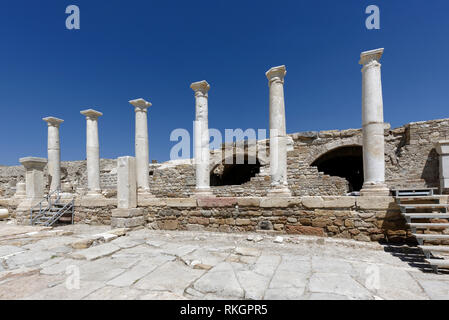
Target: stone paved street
x,y
44,263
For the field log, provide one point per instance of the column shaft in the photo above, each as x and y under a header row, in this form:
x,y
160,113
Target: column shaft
x,y
54,152
92,151
373,125
141,146
278,136
201,138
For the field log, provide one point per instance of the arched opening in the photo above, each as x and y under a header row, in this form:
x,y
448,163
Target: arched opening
x,y
226,174
345,162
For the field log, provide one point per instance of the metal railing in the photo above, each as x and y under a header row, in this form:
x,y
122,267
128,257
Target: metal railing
x,y
69,206
48,199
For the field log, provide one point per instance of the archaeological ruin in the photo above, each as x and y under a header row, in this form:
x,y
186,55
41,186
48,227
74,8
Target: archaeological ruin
x,y
352,183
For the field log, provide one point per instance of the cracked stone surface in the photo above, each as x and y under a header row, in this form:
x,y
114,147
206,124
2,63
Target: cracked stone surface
x,y
40,263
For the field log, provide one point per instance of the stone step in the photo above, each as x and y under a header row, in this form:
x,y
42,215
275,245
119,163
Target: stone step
x,y
428,225
420,198
438,262
431,236
424,215
425,206
434,248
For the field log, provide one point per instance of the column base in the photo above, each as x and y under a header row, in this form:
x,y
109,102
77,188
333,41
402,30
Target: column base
x,y
203,193
279,191
378,189
127,218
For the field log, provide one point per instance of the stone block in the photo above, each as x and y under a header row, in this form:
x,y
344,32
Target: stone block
x,y
382,203
217,202
305,230
242,222
126,183
151,202
280,202
4,214
312,202
127,213
248,202
168,224
132,222
181,202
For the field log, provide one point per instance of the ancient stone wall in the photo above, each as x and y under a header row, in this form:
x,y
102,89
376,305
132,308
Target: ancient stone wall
x,y
410,156
358,218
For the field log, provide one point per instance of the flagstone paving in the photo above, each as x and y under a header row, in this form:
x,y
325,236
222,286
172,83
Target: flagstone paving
x,y
41,263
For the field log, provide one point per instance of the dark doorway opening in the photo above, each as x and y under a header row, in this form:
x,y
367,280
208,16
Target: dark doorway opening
x,y
345,162
234,174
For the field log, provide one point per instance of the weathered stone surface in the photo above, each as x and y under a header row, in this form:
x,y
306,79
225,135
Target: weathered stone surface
x,y
221,281
376,203
181,202
127,213
248,202
279,202
127,222
340,284
217,202
96,252
246,251
172,276
306,230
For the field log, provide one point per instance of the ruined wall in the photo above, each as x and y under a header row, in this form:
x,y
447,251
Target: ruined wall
x,y
410,159
358,218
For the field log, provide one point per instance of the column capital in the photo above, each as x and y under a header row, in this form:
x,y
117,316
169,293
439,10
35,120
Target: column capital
x,y
140,104
371,57
276,74
442,147
52,121
91,113
33,163
200,87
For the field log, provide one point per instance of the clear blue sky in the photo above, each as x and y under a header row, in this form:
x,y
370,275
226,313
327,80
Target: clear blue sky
x,y
155,49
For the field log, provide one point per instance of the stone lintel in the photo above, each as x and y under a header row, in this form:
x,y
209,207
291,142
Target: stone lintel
x,y
275,73
140,103
371,55
33,162
91,113
201,86
52,121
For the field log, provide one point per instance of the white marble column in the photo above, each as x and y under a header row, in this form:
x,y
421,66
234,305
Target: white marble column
x,y
442,147
34,177
278,135
201,136
92,152
54,152
141,143
373,125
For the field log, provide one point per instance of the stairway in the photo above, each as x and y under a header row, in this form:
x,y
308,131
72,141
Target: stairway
x,y
422,210
51,210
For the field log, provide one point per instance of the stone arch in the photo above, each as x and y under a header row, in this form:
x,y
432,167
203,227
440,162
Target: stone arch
x,y
344,161
229,172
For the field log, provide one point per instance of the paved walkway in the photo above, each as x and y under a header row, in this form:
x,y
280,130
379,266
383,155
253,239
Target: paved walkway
x,y
40,263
